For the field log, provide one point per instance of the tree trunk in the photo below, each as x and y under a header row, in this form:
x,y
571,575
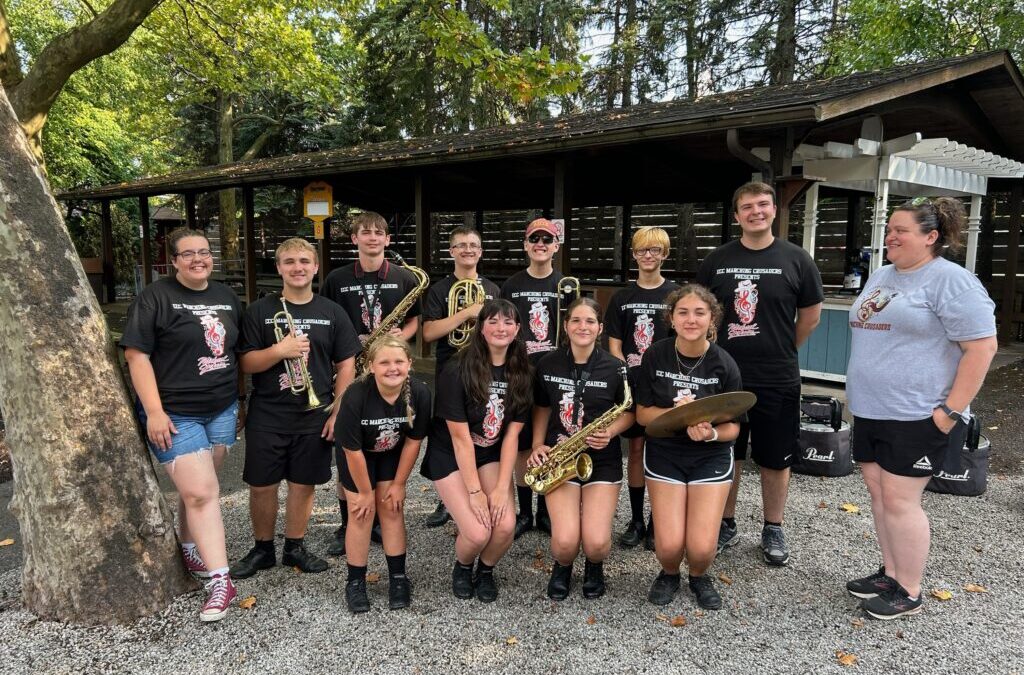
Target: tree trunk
x,y
629,54
782,68
228,212
99,543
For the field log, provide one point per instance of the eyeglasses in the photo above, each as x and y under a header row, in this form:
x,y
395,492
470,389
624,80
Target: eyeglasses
x,y
538,238
655,251
466,246
202,254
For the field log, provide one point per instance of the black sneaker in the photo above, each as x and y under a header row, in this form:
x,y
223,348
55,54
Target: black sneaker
x,y
486,588
462,581
649,535
663,589
704,590
871,585
544,522
593,580
560,582
255,560
727,536
337,546
355,596
304,560
399,592
633,535
524,523
375,535
773,546
439,517
891,604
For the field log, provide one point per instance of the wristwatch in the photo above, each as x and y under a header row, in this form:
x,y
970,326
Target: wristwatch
x,y
952,414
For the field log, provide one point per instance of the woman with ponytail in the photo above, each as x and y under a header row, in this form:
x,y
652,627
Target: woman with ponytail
x,y
923,336
483,398
383,418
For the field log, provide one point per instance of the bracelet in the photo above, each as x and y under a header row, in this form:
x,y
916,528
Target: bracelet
x,y
473,492
714,435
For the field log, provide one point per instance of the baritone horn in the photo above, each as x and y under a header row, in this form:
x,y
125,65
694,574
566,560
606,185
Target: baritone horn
x,y
567,286
299,380
464,293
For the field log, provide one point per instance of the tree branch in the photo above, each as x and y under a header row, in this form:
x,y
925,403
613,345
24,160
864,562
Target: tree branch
x,y
10,65
261,140
71,51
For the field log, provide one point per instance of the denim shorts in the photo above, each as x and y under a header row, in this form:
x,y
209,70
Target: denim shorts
x,y
195,432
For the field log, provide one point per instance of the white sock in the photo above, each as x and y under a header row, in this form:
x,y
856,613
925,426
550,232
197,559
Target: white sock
x,y
189,547
219,572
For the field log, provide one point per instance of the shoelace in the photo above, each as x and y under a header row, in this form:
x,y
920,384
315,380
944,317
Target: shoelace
x,y
193,557
218,591
775,539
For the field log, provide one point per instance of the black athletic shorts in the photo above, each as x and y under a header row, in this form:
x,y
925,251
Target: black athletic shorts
x,y
440,463
381,467
689,468
772,427
526,435
300,458
607,466
915,449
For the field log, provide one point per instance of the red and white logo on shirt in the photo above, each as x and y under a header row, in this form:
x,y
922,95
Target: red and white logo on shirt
x,y
539,319
643,337
745,304
566,413
387,438
215,336
875,302
491,425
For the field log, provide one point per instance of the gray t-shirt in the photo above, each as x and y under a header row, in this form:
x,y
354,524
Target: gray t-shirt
x,y
906,326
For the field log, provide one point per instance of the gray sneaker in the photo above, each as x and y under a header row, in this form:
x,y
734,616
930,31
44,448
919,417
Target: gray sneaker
x,y
727,536
773,546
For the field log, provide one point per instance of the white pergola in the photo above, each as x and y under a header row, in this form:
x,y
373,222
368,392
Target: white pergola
x,y
909,166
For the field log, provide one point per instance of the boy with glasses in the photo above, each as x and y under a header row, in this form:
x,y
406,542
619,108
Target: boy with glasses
x,y
635,320
535,293
466,248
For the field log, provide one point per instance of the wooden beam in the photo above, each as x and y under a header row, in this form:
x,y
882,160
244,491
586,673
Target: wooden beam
x,y
147,251
562,208
422,206
788,189
727,217
1009,299
249,242
625,245
107,244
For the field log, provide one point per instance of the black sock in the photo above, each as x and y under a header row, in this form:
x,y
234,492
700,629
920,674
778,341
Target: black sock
x,y
731,522
525,496
265,546
465,566
636,503
292,544
356,572
396,565
767,523
670,576
542,505
482,568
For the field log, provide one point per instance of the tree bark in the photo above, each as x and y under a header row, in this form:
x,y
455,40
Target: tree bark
x,y
35,95
99,543
782,68
10,64
228,212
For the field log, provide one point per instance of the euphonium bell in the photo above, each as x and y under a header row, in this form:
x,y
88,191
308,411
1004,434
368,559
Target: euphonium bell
x,y
464,293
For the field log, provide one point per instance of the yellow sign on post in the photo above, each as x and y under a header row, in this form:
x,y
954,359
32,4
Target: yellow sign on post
x,y
318,205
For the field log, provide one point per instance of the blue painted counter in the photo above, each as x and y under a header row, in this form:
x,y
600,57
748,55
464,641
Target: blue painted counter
x,y
825,354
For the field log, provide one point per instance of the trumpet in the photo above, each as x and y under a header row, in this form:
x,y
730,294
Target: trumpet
x,y
299,380
566,286
464,293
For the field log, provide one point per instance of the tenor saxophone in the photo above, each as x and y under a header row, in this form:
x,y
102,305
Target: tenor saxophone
x,y
397,315
569,459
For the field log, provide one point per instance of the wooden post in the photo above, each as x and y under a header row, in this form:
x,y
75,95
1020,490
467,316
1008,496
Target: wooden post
x,y
625,244
325,253
249,237
147,251
191,216
810,219
107,244
562,208
727,218
422,245
973,228
1009,300
854,204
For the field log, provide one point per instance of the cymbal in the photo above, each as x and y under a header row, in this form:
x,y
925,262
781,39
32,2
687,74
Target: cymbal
x,y
715,409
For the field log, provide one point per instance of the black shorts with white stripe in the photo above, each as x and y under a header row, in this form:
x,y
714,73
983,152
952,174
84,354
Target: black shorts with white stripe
x,y
687,467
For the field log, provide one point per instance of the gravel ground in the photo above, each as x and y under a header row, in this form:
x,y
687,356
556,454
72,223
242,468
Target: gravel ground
x,y
793,619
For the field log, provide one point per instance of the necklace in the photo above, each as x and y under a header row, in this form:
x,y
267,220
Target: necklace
x,y
683,370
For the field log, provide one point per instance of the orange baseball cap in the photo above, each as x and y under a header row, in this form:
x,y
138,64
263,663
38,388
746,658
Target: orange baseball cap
x,y
542,225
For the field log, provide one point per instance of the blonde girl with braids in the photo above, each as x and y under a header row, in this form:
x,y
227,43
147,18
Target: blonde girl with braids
x,y
384,416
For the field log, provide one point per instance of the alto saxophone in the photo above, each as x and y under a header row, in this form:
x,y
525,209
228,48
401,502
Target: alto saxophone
x,y
569,459
396,315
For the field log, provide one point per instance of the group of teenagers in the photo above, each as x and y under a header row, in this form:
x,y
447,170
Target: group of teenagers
x,y
528,378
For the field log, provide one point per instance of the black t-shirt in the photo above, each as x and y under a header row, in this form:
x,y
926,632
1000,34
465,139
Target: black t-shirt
x,y
665,376
760,292
559,385
637,317
487,421
537,303
368,423
331,340
436,307
382,290
190,337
